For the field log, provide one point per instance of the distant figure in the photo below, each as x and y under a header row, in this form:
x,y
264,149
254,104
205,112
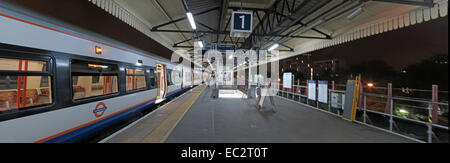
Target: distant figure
x,y
215,92
262,91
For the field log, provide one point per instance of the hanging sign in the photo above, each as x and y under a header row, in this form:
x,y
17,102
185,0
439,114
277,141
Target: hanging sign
x,y
241,24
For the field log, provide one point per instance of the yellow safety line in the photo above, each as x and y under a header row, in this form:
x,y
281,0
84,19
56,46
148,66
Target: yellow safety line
x,y
160,134
128,140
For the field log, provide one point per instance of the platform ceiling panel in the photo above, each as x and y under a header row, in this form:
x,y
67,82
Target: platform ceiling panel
x,y
377,17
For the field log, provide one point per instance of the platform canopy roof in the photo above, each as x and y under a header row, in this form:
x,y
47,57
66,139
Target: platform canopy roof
x,y
298,26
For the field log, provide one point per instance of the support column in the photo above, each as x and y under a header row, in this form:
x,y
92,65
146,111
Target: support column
x,y
434,98
361,91
387,110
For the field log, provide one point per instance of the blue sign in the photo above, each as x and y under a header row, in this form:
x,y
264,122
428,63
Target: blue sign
x,y
224,47
242,21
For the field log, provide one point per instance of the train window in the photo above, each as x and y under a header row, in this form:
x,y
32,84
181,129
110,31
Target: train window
x,y
135,79
23,65
23,84
169,77
175,77
187,76
152,78
85,75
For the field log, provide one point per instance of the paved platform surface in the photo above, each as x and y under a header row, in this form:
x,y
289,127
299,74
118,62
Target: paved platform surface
x,y
156,126
197,118
238,121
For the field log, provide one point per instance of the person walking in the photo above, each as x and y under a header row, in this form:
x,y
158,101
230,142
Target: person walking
x,y
264,89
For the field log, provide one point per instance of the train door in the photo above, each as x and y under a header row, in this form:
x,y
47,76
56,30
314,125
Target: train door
x,y
182,77
161,82
192,78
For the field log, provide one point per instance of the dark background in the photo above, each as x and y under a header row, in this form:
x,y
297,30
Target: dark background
x,y
398,48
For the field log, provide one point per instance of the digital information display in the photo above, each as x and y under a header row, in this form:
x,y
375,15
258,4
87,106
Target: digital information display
x,y
312,89
287,80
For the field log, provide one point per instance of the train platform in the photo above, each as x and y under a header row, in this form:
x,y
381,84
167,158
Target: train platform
x,y
196,117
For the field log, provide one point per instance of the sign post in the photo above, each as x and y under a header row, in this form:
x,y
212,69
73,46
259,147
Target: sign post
x,y
323,92
287,80
351,99
312,90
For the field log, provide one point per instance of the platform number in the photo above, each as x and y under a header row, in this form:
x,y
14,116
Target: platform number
x,y
242,21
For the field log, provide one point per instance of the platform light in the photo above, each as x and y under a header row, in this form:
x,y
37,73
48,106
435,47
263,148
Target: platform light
x,y
200,43
191,20
356,13
97,66
98,50
274,46
370,85
403,111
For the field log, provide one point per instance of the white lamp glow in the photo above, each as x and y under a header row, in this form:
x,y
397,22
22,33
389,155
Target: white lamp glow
x,y
191,20
274,46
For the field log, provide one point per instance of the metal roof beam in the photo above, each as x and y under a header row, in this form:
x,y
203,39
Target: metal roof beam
x,y
222,16
186,40
206,26
273,21
425,3
183,18
228,32
290,48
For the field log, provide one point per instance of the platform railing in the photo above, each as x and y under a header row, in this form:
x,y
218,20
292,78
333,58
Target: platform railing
x,y
376,113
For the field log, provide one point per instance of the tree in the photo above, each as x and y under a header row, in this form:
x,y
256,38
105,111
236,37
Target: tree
x,y
373,71
428,72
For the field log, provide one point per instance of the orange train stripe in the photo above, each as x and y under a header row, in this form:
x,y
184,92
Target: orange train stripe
x,y
110,86
24,94
89,123
104,85
73,35
133,80
18,85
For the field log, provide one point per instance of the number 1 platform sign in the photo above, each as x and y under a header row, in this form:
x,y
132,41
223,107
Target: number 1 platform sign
x,y
241,24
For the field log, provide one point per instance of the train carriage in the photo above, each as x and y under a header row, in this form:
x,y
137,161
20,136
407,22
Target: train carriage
x,y
60,85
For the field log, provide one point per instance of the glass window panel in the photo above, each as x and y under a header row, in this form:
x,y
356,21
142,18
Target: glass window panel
x,y
7,64
93,79
85,88
30,93
17,92
135,79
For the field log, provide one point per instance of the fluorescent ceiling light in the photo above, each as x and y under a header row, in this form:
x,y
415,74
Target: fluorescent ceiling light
x,y
355,13
191,20
274,46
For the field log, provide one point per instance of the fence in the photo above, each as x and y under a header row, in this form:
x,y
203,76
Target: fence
x,y
389,113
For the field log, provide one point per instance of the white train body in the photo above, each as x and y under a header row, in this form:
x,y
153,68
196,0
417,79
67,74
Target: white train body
x,y
66,119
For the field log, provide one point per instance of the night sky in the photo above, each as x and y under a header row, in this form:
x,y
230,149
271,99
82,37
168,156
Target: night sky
x,y
398,48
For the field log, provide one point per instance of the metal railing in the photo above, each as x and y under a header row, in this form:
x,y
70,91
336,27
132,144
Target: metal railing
x,y
371,117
